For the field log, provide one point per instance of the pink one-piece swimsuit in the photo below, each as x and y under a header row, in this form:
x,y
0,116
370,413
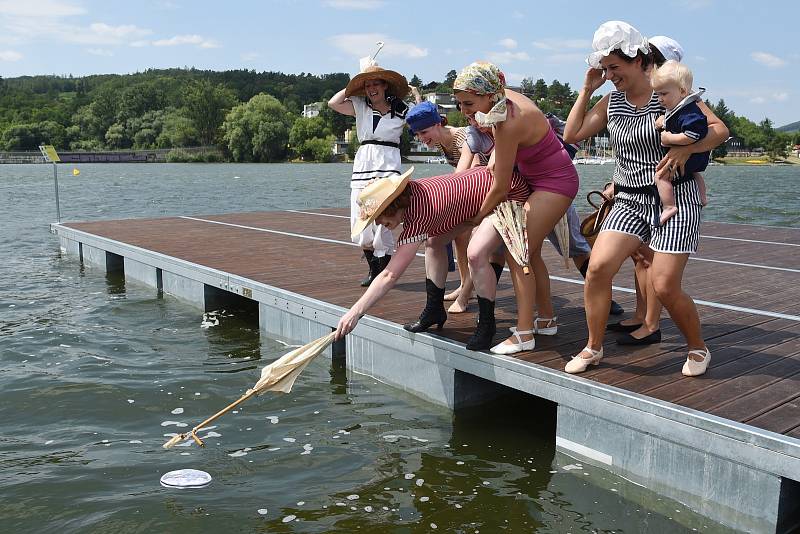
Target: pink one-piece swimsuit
x,y
547,166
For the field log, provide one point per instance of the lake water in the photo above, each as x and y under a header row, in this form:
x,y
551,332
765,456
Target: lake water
x,y
95,373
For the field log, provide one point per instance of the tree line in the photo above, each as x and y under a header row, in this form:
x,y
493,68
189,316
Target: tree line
x,y
251,116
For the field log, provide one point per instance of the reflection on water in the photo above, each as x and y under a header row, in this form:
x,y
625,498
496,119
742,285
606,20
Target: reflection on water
x,y
96,373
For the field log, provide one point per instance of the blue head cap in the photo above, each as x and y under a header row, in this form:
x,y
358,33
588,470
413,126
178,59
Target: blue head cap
x,y
423,115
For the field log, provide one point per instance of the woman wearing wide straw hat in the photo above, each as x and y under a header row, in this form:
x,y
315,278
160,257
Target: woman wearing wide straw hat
x,y
430,210
523,139
622,55
375,98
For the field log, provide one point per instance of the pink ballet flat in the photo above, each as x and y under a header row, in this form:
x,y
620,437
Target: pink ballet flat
x,y
579,364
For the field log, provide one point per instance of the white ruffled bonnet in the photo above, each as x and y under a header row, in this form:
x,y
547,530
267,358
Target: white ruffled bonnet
x,y
669,48
616,35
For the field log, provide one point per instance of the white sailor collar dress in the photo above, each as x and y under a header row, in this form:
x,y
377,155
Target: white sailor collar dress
x,y
378,156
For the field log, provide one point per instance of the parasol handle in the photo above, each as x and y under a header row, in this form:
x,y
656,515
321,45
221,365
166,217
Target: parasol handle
x,y
191,433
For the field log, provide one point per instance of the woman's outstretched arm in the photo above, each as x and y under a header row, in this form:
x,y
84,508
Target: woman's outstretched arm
x,y
378,288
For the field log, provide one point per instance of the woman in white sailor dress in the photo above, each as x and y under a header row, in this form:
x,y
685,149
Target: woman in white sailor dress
x,y
375,98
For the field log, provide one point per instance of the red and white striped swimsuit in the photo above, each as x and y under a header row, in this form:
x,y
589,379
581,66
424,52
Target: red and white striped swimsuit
x,y
440,203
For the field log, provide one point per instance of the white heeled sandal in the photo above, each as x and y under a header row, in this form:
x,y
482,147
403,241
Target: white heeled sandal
x,y
694,368
546,330
579,364
519,346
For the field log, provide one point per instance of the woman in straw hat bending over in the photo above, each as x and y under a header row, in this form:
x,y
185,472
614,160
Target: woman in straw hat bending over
x,y
431,210
375,98
523,139
622,55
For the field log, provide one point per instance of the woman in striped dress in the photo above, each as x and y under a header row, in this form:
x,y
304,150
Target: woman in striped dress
x,y
463,150
622,56
431,211
375,98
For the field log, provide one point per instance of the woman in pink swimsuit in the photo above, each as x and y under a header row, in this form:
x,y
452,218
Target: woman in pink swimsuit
x,y
523,138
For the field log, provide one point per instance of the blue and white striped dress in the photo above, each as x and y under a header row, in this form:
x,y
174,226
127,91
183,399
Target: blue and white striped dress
x,y
638,150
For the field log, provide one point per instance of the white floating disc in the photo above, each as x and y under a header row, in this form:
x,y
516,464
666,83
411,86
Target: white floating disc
x,y
186,478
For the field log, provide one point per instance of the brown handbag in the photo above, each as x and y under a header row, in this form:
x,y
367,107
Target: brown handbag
x,y
590,226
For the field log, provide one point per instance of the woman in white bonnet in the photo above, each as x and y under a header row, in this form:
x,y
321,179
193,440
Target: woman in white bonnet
x,y
642,327
622,55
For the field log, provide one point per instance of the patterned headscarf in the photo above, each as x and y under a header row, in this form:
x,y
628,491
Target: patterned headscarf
x,y
483,78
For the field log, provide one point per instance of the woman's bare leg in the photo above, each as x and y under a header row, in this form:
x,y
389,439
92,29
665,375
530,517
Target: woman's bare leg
x,y
651,322
544,209
667,274
482,245
463,293
609,252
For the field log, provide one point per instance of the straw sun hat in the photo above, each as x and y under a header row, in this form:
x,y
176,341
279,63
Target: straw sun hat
x,y
374,198
398,85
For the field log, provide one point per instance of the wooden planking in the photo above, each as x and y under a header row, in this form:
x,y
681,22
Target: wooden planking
x,y
756,358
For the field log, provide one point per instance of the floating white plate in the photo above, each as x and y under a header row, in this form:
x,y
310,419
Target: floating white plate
x,y
186,478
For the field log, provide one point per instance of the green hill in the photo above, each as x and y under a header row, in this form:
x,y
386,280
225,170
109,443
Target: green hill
x,y
790,128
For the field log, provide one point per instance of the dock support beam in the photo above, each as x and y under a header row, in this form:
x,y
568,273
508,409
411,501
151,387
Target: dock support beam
x,y
723,490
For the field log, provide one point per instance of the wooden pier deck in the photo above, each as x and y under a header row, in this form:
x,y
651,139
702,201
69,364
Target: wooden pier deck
x,y
745,280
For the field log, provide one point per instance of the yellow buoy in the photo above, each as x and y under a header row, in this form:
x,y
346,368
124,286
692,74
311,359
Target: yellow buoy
x,y
75,172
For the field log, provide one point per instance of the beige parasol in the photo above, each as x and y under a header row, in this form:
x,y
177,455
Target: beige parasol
x,y
562,234
510,220
277,376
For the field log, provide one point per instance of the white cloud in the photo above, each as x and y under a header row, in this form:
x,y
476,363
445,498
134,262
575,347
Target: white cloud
x,y
517,15
768,60
514,78
178,40
508,43
39,8
553,43
117,34
758,95
501,58
21,24
10,55
700,59
355,4
250,56
100,52
363,44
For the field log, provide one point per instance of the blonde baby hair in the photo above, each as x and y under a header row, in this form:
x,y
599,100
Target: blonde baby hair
x,y
672,72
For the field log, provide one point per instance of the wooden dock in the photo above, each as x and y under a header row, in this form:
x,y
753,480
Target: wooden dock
x,y
745,279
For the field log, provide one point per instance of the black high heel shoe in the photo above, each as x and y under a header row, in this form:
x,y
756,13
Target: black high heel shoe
x,y
434,312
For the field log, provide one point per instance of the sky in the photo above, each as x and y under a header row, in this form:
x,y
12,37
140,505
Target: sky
x,y
743,52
